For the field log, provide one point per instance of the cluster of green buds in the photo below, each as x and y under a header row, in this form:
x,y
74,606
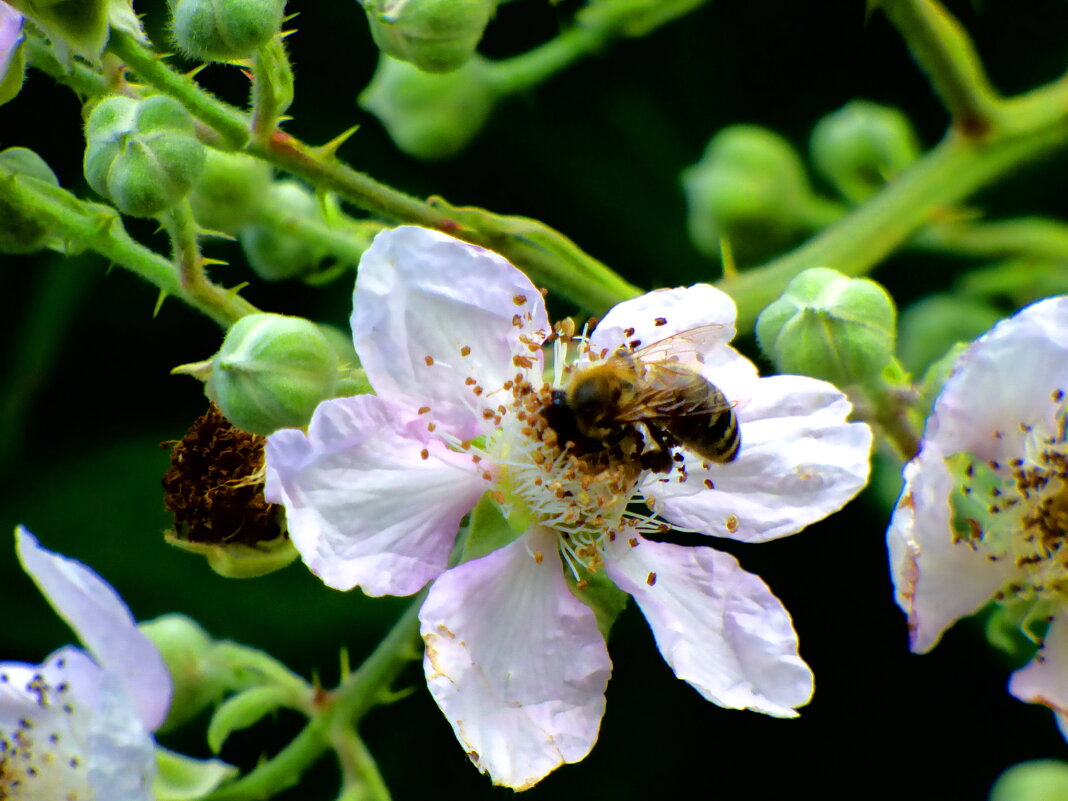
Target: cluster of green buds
x,y
830,326
224,30
750,190
142,155
433,35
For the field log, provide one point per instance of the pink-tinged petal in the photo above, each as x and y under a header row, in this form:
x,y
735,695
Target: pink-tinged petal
x,y
719,627
1045,680
368,503
515,661
103,623
936,581
664,313
799,461
1019,370
431,311
11,22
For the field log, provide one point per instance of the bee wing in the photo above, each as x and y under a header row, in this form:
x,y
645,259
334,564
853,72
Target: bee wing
x,y
685,346
672,390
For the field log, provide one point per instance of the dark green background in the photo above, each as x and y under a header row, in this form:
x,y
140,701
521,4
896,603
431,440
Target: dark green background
x,y
597,153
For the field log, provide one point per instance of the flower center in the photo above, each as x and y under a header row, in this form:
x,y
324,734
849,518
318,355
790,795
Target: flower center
x,y
1019,510
36,760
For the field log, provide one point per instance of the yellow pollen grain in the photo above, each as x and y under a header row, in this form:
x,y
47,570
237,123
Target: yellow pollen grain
x,y
431,426
465,350
424,454
429,361
538,557
650,579
732,523
498,496
519,300
469,381
582,584
517,321
424,409
633,542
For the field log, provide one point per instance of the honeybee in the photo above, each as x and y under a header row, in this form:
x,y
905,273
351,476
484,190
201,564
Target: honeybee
x,y
603,401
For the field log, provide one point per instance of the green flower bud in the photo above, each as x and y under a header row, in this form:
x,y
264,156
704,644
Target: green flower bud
x,y
749,187
829,326
434,35
230,191
430,116
224,30
22,231
934,324
862,146
186,649
143,155
273,253
271,372
1039,780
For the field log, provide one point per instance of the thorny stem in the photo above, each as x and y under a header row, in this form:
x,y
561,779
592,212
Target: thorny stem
x,y
545,254
343,708
946,53
198,290
99,228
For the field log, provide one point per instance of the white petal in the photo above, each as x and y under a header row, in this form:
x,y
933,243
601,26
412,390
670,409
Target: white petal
x,y
718,626
75,728
515,661
103,623
1006,380
936,581
122,762
1045,680
664,313
363,506
421,299
799,461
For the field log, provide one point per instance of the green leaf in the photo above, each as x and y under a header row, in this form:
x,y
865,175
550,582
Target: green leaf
x,y
243,710
182,778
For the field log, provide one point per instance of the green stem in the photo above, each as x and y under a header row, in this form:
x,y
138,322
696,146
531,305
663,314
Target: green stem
x,y
1031,237
946,53
891,402
522,72
361,779
545,254
272,88
1032,126
99,228
346,242
357,694
232,125
197,289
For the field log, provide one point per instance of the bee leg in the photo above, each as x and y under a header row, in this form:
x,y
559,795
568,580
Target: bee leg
x,y
659,460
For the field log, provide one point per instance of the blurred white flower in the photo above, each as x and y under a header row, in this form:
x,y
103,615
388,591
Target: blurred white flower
x,y
984,512
78,725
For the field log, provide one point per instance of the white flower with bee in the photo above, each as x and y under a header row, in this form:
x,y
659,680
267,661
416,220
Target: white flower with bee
x,y
451,337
